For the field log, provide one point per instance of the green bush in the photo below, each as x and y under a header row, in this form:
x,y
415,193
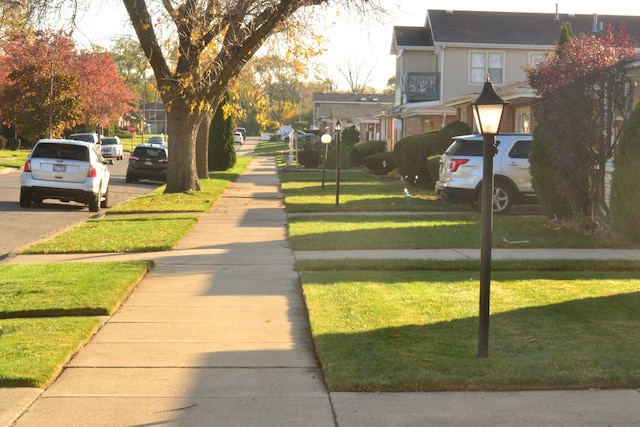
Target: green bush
x,y
308,155
542,171
222,150
365,149
411,153
379,163
13,144
625,192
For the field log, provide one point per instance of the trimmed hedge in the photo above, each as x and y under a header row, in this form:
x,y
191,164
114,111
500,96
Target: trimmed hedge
x,y
380,163
365,149
411,153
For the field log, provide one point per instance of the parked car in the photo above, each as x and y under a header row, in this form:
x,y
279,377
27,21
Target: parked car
x,y
299,135
65,170
157,140
87,137
148,161
238,138
243,131
112,147
460,175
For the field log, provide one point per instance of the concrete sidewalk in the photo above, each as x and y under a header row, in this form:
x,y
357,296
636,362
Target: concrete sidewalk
x,y
217,335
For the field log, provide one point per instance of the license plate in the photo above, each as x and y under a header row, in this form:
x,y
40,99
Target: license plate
x,y
148,163
59,168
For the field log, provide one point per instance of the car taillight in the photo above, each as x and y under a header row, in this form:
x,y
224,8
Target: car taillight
x,y
27,166
134,158
454,164
93,172
162,160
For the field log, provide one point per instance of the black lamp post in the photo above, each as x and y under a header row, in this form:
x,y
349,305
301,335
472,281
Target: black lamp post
x,y
326,140
338,128
487,112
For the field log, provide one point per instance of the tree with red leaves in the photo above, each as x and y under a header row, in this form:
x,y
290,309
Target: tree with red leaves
x,y
583,91
47,86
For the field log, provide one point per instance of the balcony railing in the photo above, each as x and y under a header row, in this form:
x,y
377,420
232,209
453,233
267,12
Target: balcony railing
x,y
421,87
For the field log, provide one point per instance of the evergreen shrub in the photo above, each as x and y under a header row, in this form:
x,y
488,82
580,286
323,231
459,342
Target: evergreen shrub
x,y
365,149
411,153
625,191
380,163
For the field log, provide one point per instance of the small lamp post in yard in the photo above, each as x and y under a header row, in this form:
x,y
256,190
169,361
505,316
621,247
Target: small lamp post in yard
x,y
487,112
326,140
338,128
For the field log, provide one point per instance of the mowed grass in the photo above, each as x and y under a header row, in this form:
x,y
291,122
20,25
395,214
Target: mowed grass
x,y
118,234
417,330
197,201
412,325
359,192
13,158
48,311
434,232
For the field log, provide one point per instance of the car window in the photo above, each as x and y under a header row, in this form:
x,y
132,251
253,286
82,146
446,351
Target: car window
x,y
150,152
61,151
466,147
109,141
521,150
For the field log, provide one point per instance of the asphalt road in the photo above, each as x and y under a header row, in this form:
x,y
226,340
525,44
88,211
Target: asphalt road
x,y
22,226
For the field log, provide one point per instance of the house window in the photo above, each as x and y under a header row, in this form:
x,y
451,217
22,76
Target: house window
x,y
485,64
523,120
536,57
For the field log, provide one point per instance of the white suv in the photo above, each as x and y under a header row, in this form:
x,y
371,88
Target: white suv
x,y
460,176
65,170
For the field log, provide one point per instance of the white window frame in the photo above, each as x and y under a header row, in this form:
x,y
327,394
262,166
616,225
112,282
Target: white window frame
x,y
535,57
480,65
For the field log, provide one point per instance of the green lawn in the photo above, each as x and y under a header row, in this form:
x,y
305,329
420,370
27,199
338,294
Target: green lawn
x,y
435,231
48,311
359,192
417,330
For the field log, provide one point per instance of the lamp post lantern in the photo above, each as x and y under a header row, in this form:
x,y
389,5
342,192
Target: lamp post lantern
x,y
338,128
487,112
326,140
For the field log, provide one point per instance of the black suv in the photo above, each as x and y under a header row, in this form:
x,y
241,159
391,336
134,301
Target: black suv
x,y
148,161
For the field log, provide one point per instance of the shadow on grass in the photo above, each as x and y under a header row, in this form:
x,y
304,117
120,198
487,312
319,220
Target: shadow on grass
x,y
55,312
578,344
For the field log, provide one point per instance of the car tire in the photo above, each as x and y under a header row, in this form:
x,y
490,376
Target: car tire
x,y
503,198
104,203
94,203
128,179
25,198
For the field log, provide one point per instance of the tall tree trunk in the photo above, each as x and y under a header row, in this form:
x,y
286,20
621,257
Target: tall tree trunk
x,y
183,130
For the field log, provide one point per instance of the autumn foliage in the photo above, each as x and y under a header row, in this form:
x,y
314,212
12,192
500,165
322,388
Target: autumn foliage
x,y
583,91
47,86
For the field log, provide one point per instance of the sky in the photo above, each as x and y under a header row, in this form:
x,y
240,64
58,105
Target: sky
x,y
362,42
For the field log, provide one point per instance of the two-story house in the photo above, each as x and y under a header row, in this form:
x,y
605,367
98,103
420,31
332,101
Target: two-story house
x,y
441,67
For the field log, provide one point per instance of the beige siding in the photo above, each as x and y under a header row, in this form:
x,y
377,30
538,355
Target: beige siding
x,y
456,69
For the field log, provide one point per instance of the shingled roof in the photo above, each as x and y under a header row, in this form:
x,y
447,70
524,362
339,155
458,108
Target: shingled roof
x,y
503,28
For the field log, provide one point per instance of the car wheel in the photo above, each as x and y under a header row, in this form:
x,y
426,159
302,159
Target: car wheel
x,y
503,197
105,200
94,203
25,198
128,179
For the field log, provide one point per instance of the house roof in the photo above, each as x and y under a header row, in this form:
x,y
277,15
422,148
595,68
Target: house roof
x,y
348,106
351,98
415,37
502,28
